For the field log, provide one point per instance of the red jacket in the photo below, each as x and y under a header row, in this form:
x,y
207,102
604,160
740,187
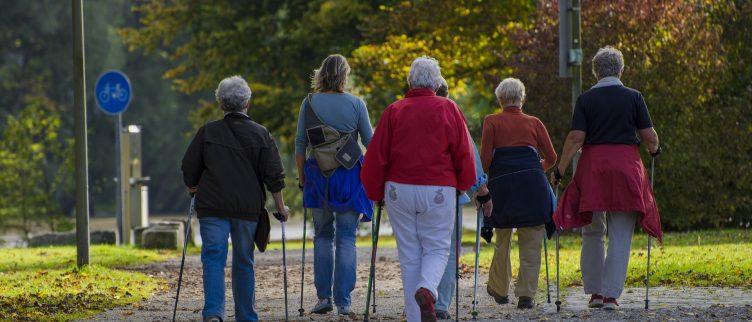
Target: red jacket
x,y
420,140
609,177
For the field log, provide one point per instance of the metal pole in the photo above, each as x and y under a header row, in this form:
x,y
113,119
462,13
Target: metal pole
x,y
575,57
80,145
119,178
575,61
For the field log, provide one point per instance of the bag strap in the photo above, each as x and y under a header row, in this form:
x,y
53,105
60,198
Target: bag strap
x,y
311,117
314,118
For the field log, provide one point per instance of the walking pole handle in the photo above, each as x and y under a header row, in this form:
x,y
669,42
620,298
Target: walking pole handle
x,y
657,152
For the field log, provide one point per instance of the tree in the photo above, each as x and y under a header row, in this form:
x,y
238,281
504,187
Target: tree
x,y
35,168
275,45
466,37
674,55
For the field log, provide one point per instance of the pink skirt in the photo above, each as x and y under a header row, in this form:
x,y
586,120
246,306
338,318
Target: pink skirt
x,y
609,177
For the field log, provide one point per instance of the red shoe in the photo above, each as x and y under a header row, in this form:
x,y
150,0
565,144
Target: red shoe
x,y
610,304
596,302
426,303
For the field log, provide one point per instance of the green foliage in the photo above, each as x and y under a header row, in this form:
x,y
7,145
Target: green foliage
x,y
275,45
41,284
467,38
697,259
35,167
677,56
690,59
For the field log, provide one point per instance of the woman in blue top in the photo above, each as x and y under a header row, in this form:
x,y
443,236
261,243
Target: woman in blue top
x,y
448,282
336,201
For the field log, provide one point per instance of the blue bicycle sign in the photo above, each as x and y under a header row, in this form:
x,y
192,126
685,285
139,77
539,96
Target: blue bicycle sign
x,y
113,92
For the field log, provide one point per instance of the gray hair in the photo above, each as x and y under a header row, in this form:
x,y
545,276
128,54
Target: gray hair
x,y
331,75
424,73
233,94
608,61
510,91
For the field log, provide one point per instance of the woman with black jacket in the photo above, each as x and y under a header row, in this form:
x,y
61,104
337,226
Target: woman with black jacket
x,y
229,165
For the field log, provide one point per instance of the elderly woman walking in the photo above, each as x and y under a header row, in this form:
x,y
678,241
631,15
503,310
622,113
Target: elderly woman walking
x,y
229,165
610,186
329,125
420,158
446,288
516,151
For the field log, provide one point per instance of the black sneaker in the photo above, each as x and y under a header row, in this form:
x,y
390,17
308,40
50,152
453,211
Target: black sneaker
x,y
525,302
443,315
498,298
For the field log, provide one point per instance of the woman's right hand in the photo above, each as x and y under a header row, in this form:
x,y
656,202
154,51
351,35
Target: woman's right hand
x,y
488,208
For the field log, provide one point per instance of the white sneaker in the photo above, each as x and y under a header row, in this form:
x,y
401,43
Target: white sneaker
x,y
324,306
343,310
610,304
596,301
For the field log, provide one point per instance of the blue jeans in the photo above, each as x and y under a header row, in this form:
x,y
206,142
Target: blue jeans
x,y
214,233
334,267
449,279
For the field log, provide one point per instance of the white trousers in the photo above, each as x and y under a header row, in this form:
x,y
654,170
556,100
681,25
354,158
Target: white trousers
x,y
605,274
422,218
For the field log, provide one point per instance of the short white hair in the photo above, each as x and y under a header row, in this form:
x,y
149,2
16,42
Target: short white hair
x,y
233,94
608,61
510,91
424,73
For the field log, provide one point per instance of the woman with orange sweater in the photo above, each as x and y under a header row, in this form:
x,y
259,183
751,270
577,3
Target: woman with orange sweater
x,y
516,151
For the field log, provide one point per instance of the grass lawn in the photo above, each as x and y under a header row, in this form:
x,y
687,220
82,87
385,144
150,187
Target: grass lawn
x,y
468,238
721,258
43,283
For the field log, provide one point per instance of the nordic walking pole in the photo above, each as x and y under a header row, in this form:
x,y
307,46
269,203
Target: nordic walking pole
x,y
301,311
458,241
373,305
478,224
372,271
182,260
558,284
284,258
545,253
652,183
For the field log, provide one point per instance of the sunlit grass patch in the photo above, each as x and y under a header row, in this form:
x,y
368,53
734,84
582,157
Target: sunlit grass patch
x,y
704,258
64,294
19,259
43,283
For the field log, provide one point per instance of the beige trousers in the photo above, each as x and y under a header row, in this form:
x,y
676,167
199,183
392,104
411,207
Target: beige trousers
x,y
500,275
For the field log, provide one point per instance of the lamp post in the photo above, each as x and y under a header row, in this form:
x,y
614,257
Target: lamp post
x,y
80,145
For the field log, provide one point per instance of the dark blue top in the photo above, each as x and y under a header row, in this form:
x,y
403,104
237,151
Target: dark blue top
x,y
521,194
611,115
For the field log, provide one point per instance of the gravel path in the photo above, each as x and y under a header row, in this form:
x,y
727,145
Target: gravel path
x,y
680,304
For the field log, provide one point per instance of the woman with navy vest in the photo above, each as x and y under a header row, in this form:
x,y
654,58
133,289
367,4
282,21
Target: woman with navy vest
x,y
331,120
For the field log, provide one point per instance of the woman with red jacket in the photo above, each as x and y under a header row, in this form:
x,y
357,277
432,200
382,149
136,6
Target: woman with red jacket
x,y
420,156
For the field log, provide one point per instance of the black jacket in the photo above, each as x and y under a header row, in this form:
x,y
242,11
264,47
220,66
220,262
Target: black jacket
x,y
233,162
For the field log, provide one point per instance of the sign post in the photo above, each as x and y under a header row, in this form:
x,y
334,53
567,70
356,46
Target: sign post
x,y
113,92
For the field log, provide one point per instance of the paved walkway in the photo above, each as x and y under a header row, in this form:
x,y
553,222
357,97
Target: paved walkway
x,y
667,303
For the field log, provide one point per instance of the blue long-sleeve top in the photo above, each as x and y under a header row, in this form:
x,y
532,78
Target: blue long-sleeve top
x,y
482,178
342,111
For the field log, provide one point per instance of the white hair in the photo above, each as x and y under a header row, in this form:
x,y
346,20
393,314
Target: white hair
x,y
608,61
510,91
424,73
233,94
